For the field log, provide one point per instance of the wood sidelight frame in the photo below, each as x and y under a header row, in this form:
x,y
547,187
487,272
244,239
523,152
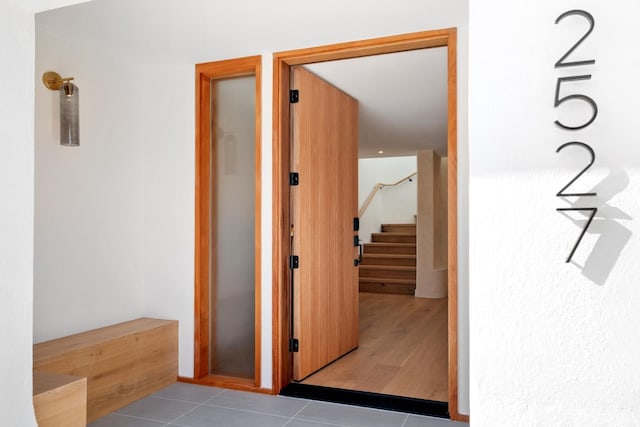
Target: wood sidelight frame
x,y
282,363
204,247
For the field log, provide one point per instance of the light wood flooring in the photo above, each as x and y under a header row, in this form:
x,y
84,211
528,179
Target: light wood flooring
x,y
402,351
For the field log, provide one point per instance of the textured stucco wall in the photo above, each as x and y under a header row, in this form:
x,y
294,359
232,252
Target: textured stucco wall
x,y
553,344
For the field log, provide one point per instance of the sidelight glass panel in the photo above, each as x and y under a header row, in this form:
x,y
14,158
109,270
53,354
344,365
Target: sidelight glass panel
x,y
233,232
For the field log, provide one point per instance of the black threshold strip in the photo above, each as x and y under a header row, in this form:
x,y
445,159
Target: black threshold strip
x,y
369,400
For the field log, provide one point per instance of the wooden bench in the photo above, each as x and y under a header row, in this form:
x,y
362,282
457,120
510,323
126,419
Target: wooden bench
x,y
59,400
121,363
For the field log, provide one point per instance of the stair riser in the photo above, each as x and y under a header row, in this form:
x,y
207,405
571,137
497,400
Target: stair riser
x,y
384,288
374,249
386,238
398,228
387,274
399,262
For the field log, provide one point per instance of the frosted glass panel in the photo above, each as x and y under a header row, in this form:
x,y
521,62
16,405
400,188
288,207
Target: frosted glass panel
x,y
233,185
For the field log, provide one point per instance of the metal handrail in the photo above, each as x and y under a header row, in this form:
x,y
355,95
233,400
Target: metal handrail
x,y
380,186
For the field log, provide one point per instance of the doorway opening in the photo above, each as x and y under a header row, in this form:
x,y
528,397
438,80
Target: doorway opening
x,y
283,358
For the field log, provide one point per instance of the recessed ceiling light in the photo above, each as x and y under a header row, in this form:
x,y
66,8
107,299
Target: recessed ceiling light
x,y
380,152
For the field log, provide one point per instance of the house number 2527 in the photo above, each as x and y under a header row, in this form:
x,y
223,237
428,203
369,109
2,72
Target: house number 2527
x,y
559,102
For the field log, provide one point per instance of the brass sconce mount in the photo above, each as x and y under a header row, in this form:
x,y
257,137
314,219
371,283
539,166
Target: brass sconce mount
x,y
54,81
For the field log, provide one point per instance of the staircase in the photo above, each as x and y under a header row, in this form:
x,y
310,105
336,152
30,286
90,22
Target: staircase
x,y
388,263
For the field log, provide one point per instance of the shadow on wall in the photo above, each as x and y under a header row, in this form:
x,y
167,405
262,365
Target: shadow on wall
x,y
612,236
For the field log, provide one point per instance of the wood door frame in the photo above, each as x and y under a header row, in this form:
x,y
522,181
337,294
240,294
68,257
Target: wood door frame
x,y
247,66
282,61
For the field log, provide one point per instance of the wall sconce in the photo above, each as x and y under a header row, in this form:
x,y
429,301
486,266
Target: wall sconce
x,y
69,107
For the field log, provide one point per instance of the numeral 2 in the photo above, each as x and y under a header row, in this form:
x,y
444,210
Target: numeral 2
x,y
584,230
561,193
589,18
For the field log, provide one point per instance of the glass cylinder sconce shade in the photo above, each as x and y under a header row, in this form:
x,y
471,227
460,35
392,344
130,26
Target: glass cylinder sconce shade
x,y
69,115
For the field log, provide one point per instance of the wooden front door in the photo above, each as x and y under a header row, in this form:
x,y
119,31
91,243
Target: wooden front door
x,y
324,153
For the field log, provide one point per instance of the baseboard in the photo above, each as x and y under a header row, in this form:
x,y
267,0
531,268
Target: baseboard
x,y
366,399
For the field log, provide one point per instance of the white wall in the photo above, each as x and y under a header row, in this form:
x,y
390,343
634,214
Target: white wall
x,y
369,175
168,43
16,214
399,202
391,205
553,343
88,256
169,198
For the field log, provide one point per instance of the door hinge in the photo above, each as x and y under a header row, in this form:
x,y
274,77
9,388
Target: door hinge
x,y
294,178
294,96
356,224
356,241
294,345
294,262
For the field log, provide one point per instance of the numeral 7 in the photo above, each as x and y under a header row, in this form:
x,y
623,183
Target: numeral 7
x,y
584,230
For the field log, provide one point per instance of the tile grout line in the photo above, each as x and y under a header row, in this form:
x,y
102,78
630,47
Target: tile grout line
x,y
211,405
370,408
186,413
155,420
322,423
180,400
168,423
297,413
327,423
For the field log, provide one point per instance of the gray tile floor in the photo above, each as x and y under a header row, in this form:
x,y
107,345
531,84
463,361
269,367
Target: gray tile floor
x,y
190,405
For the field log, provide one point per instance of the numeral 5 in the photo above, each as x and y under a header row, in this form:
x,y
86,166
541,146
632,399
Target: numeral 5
x,y
558,101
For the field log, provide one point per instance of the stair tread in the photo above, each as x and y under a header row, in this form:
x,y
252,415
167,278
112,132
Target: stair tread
x,y
387,280
388,267
384,248
399,225
387,259
393,233
389,255
390,244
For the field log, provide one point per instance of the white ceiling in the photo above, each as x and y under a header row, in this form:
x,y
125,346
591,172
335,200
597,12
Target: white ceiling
x,y
40,5
402,99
